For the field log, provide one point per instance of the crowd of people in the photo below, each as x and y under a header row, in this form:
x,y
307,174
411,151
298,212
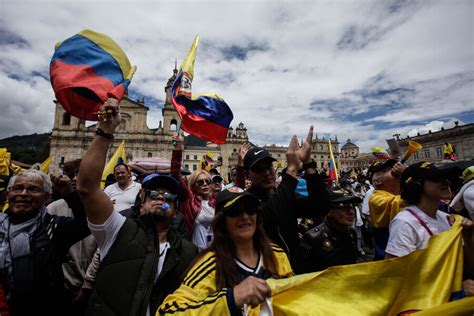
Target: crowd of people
x,y
166,244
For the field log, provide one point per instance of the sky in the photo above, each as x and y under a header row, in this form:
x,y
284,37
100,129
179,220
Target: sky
x,y
363,70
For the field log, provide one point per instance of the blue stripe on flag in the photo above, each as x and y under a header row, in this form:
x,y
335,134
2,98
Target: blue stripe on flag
x,y
81,51
211,109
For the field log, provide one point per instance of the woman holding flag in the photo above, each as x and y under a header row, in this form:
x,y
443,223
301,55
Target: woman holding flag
x,y
230,276
198,201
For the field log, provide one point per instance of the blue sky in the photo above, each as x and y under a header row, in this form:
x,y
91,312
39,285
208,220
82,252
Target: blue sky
x,y
363,70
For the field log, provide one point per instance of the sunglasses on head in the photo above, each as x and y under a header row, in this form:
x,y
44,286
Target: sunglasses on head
x,y
203,181
155,195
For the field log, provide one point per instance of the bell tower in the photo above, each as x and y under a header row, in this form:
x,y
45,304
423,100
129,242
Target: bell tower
x,y
170,117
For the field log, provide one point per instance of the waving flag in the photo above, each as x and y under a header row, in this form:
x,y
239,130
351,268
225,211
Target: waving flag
x,y
333,174
118,157
206,116
207,161
86,69
45,164
380,153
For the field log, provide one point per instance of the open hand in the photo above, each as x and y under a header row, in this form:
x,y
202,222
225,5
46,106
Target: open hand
x,y
304,153
242,152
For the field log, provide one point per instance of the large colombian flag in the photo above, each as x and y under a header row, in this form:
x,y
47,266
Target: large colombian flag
x,y
87,69
207,115
427,280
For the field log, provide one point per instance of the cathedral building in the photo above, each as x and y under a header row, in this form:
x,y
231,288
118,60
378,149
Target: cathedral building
x,y
71,137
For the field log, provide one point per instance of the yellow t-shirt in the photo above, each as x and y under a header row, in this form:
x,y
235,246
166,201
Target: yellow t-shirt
x,y
384,206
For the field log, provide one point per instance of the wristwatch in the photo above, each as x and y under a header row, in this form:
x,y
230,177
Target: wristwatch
x,y
99,131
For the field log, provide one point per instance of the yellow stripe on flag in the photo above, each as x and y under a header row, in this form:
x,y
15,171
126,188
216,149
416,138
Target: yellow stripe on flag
x,y
111,47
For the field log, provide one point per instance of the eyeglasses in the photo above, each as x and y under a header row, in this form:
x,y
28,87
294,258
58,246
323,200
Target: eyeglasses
x,y
237,211
202,182
30,189
155,195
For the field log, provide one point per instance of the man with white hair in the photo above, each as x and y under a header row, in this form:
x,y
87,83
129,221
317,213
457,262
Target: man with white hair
x,y
33,246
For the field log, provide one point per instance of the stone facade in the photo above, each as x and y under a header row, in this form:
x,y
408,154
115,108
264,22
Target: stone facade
x,y
461,137
70,138
353,159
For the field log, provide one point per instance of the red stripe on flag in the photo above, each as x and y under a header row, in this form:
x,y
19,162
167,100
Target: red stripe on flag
x,y
199,126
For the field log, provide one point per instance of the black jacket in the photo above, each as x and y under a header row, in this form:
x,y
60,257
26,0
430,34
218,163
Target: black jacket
x,y
38,283
323,246
125,282
282,208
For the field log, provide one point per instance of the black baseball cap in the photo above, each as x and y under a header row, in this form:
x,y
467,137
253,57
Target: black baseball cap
x,y
423,170
155,180
228,198
217,178
254,155
380,166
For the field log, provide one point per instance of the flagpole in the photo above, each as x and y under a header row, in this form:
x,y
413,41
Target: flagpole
x,y
178,129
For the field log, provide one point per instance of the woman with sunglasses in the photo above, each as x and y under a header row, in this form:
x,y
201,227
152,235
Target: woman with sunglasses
x,y
229,277
198,202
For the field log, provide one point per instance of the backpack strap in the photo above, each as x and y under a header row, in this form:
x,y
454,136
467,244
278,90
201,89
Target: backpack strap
x,y
421,222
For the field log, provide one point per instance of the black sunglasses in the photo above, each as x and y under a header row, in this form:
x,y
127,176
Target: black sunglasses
x,y
202,182
155,194
237,211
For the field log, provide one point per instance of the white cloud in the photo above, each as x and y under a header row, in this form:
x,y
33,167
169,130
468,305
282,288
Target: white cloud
x,y
341,53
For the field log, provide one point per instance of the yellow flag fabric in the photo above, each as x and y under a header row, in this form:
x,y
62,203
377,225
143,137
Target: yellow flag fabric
x,y
5,161
45,165
419,281
118,157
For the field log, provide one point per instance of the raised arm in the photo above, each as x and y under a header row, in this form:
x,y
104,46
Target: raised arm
x,y
97,204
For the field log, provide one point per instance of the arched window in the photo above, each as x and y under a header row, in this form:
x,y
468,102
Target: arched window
x,y
173,125
66,119
150,155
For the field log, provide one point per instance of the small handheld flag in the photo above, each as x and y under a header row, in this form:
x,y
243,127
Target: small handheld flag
x,y
206,116
118,157
380,153
333,174
87,69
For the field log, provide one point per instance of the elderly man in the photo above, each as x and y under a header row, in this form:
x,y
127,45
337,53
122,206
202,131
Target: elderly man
x,y
142,257
385,202
334,241
33,246
123,192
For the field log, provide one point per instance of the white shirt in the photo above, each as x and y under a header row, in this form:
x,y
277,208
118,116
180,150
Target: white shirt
x,y
365,202
106,234
202,232
407,234
123,199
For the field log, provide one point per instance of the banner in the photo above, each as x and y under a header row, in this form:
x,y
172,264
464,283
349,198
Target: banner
x,y
422,280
